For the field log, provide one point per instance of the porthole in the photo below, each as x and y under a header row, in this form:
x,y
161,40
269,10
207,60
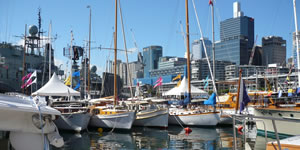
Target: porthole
x,y
292,115
280,114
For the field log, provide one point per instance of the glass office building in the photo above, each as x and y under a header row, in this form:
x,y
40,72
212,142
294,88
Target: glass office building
x,y
151,56
237,38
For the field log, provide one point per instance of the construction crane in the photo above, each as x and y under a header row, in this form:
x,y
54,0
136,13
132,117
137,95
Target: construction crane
x,y
252,51
139,56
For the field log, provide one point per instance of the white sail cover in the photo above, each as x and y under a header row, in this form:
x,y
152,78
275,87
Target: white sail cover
x,y
183,88
55,87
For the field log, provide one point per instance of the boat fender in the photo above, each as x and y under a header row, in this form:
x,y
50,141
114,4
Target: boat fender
x,y
188,130
100,130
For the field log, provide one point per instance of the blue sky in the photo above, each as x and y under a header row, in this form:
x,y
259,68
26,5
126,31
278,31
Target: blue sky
x,y
154,22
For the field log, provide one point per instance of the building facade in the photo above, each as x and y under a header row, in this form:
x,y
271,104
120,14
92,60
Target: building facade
x,y
274,50
237,38
151,56
170,62
198,49
200,69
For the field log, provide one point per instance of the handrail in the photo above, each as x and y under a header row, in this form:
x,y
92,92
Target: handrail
x,y
273,119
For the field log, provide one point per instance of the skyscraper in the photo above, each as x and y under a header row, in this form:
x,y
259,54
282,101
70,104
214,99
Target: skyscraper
x,y
237,37
274,50
151,56
198,49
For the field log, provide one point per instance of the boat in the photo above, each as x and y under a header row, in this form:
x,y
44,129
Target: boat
x,y
188,115
283,107
227,103
112,116
151,115
75,114
284,110
29,122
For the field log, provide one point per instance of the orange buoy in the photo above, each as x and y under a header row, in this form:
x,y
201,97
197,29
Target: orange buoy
x,y
188,130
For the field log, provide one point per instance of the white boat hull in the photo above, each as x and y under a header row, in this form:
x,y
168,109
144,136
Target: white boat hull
x,y
154,118
74,121
283,127
199,119
117,121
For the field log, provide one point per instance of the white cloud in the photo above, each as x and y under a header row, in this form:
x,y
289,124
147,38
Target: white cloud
x,y
58,62
132,50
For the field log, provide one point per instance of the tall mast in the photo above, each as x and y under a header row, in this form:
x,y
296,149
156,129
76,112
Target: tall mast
x,y
89,70
125,48
50,48
24,56
297,41
71,55
188,49
115,45
213,38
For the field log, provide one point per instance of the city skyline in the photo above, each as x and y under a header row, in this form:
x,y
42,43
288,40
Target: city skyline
x,y
156,24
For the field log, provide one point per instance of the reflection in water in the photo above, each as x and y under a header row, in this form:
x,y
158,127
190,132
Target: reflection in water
x,y
152,138
75,141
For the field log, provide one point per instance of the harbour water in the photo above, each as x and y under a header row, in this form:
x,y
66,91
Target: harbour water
x,y
152,138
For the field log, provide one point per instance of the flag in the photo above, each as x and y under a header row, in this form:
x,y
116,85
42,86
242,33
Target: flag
x,y
26,76
290,92
211,100
68,81
244,98
77,86
210,2
30,82
270,93
158,80
187,99
206,82
76,74
178,83
279,93
33,74
157,84
177,77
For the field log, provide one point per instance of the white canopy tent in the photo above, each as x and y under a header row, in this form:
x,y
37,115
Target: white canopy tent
x,y
55,87
183,88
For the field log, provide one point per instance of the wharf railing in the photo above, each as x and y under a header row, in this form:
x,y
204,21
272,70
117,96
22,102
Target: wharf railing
x,y
248,117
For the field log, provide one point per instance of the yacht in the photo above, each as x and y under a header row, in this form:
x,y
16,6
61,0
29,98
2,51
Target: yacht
x,y
29,122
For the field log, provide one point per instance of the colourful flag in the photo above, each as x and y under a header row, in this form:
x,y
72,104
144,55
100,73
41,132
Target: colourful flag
x,y
210,2
178,83
26,76
177,77
76,74
279,93
30,82
158,84
206,82
68,81
158,80
244,98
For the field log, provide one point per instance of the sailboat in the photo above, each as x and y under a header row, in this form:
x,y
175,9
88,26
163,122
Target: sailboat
x,y
115,117
74,114
195,117
283,108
